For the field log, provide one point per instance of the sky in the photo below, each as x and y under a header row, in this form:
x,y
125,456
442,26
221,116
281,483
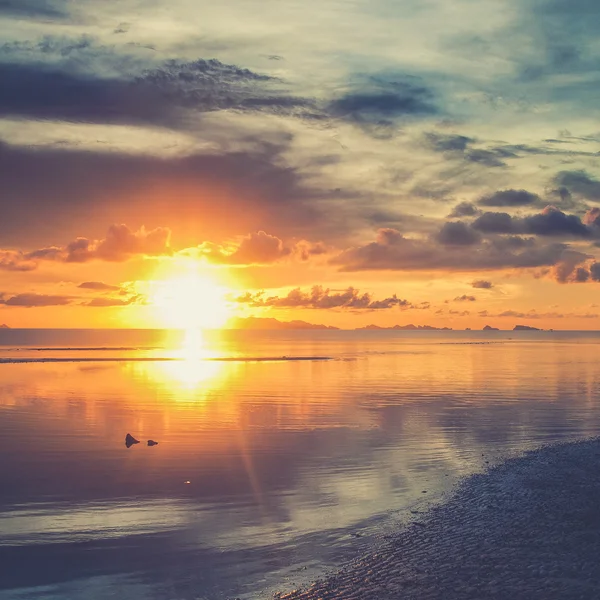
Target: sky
x,y
343,163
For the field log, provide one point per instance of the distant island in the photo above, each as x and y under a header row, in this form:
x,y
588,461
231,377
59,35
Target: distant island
x,y
270,323
409,327
4,326
490,328
525,328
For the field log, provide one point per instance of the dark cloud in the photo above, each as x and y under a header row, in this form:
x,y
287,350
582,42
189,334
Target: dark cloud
x,y
488,158
550,222
566,269
33,8
494,222
464,209
40,192
393,251
482,284
465,298
98,286
510,198
580,183
457,233
34,300
382,101
555,222
448,142
322,298
459,146
162,96
581,274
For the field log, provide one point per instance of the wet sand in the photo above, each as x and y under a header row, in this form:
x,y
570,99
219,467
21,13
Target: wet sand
x,y
527,529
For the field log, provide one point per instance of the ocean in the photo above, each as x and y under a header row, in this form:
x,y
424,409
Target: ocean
x,y
281,455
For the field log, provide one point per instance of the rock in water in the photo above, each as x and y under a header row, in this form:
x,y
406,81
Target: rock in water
x,y
130,440
152,443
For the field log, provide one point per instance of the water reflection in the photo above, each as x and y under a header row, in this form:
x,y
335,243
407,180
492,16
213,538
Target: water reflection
x,y
286,461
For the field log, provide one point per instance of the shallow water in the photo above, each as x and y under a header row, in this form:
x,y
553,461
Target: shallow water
x,y
293,466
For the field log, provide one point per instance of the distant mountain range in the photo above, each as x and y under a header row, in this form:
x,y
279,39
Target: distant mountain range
x,y
255,323
270,323
409,327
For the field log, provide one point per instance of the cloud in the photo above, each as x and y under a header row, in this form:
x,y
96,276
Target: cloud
x,y
580,183
592,217
259,248
510,198
464,209
165,95
257,185
11,260
392,251
254,249
459,146
32,8
379,103
457,233
34,300
323,298
588,273
98,286
109,302
550,222
448,142
494,222
465,298
120,244
581,275
482,284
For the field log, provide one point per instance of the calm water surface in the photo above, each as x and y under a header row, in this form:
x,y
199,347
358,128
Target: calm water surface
x,y
267,472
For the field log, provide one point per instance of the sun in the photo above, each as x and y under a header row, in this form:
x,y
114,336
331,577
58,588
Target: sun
x,y
190,302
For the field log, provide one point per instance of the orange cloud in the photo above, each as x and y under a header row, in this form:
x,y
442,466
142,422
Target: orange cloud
x,y
260,248
120,244
322,298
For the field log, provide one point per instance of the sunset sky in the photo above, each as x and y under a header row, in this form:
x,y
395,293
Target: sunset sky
x,y
389,162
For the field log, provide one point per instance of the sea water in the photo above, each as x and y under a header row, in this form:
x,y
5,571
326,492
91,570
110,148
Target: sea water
x,y
269,470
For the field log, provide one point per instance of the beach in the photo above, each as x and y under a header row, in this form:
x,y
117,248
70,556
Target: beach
x,y
528,528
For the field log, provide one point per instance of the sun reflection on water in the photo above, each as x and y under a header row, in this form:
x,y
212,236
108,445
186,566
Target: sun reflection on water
x,y
193,368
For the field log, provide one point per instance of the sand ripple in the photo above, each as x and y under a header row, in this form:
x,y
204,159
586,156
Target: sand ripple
x,y
527,529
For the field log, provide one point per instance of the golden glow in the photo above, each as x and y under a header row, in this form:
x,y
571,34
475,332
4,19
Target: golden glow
x,y
190,302
193,368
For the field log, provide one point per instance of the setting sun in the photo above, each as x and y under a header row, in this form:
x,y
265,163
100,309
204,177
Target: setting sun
x,y
190,301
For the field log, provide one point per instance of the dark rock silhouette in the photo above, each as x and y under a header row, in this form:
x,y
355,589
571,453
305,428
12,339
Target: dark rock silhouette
x,y
130,440
490,328
525,328
152,443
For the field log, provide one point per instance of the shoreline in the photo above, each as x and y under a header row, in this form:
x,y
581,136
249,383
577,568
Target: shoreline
x,y
527,528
